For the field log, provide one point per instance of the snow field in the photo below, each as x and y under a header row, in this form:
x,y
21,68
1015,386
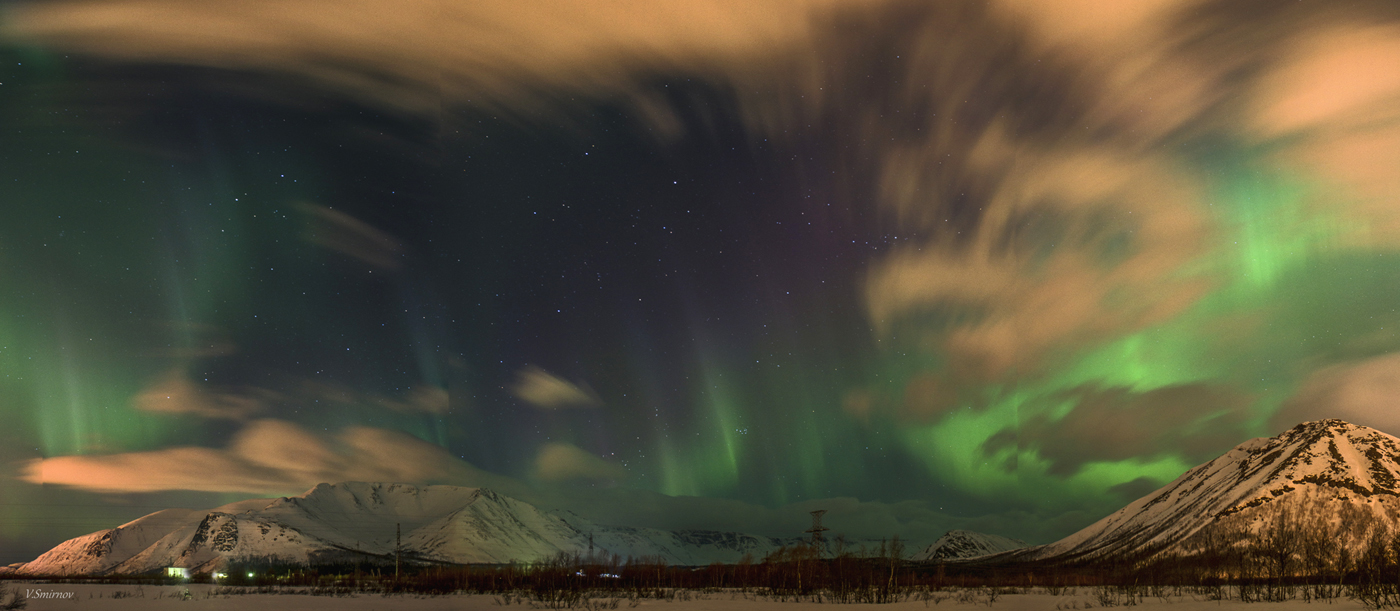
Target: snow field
x,y
208,597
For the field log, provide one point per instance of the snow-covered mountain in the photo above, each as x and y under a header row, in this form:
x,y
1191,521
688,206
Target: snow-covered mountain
x,y
957,544
357,521
1318,470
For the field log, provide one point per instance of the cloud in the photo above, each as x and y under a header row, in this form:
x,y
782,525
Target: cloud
x,y
175,393
1135,489
267,457
414,54
352,237
1039,211
1315,85
1336,100
1037,161
428,399
1096,23
1074,246
1194,421
561,461
545,390
1361,392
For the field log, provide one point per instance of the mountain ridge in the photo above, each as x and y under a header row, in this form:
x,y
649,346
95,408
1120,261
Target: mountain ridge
x,y
961,544
359,521
1314,466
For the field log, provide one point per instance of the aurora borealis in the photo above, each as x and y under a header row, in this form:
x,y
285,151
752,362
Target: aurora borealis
x,y
1002,266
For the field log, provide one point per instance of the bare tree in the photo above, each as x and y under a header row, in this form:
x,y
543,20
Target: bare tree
x,y
11,599
1279,542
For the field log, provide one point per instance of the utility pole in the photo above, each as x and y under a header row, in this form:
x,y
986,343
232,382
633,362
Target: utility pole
x,y
398,549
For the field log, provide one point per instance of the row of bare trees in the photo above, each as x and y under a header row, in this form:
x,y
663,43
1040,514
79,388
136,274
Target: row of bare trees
x,y
800,572
1311,549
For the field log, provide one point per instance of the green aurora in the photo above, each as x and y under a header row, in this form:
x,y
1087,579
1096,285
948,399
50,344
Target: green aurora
x,y
253,250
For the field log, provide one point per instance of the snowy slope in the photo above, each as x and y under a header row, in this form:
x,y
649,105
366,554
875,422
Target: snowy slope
x,y
1330,465
967,544
357,521
103,551
99,552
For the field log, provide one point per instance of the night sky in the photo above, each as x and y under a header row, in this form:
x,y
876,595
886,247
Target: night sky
x,y
1003,266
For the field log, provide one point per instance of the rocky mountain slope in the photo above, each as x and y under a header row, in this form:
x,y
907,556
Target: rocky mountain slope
x,y
1319,471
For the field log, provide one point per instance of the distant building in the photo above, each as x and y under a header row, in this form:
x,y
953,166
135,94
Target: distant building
x,y
177,572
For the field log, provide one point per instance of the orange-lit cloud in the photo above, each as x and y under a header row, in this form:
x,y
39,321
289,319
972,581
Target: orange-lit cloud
x,y
1195,422
1044,216
175,393
561,461
267,457
1361,392
1335,100
1040,273
1312,85
544,390
411,54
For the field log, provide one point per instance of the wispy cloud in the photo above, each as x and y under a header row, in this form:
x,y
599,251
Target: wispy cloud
x,y
1314,87
174,393
267,457
352,237
413,54
545,390
1195,422
1362,392
1334,99
1037,210
561,461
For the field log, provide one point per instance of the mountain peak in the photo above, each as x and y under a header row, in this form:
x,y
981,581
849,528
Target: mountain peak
x,y
958,543
1327,461
1322,427
1325,422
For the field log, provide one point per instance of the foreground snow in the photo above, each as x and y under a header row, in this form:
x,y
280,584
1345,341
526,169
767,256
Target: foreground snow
x,y
203,596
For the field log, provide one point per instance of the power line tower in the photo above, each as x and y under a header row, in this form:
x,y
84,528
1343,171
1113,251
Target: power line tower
x,y
398,549
818,541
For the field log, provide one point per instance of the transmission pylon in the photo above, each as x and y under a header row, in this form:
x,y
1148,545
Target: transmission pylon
x,y
818,541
